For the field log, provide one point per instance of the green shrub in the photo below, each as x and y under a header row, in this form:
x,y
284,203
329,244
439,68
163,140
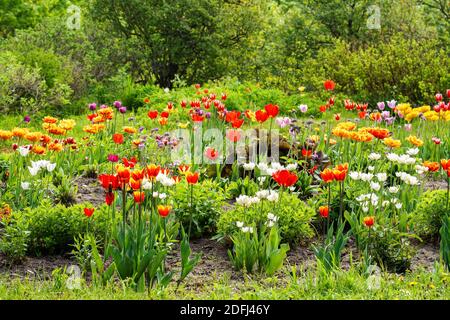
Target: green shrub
x,y
401,69
391,248
431,209
208,201
52,229
294,216
13,241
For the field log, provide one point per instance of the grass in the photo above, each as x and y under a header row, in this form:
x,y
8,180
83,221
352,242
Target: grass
x,y
309,285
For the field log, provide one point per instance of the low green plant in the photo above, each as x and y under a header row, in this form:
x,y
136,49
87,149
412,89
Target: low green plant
x,y
208,199
13,240
244,186
431,209
329,253
445,241
52,229
258,248
294,215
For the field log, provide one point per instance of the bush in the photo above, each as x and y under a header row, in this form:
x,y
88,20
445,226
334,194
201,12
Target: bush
x,y
13,241
431,209
294,218
208,201
31,82
52,229
401,69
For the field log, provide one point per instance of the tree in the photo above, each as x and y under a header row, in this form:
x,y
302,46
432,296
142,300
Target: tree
x,y
188,38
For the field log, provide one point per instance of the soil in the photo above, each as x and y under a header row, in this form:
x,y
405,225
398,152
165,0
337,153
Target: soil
x,y
90,190
435,184
214,263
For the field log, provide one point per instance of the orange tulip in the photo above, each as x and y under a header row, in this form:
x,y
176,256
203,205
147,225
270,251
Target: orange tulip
x,y
192,177
432,166
369,221
324,211
327,175
138,197
445,164
135,184
123,174
164,210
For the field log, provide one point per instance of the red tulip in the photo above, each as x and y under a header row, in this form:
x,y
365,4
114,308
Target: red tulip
x,y
109,198
109,181
327,175
224,96
88,212
237,123
306,152
164,210
438,97
369,221
324,211
164,114
284,178
153,114
329,85
192,177
261,116
448,93
337,116
138,197
118,138
323,109
183,103
272,110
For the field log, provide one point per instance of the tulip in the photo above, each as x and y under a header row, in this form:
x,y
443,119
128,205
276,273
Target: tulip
x,y
211,154
118,138
138,197
369,221
438,97
261,116
27,119
329,85
88,212
285,178
152,114
164,210
192,177
327,175
113,158
109,198
324,211
303,108
272,110
117,104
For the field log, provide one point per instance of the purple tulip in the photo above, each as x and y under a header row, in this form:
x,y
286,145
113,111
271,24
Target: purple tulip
x,y
385,114
392,104
208,115
117,104
141,129
113,158
408,127
103,106
389,120
303,108
92,106
381,106
27,119
123,109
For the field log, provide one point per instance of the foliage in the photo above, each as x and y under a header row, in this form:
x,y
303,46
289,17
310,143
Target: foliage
x,y
13,241
294,218
207,205
259,249
52,229
445,241
431,209
415,70
329,254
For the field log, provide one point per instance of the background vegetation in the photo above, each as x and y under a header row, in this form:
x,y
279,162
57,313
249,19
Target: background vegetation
x,y
127,47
